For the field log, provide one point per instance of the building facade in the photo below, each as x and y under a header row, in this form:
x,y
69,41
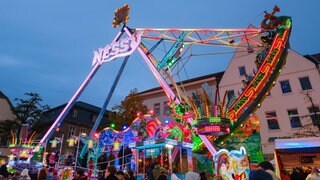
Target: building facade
x,y
79,120
291,105
6,110
156,100
287,109
6,113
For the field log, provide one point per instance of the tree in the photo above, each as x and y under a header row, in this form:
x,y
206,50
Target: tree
x,y
27,111
309,130
126,112
314,110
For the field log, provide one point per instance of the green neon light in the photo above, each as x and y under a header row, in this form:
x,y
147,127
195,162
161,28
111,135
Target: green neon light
x,y
241,102
169,58
215,119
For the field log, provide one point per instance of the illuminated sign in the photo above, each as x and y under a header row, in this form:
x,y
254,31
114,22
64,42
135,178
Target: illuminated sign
x,y
123,47
258,79
241,102
212,129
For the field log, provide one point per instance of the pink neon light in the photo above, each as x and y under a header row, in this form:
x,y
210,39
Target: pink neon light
x,y
199,30
74,98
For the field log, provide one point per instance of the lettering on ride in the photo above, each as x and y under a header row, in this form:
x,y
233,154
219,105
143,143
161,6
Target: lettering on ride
x,y
240,103
258,80
272,54
121,48
212,128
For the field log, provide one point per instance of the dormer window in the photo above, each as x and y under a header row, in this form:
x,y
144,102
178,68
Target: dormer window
x,y
75,113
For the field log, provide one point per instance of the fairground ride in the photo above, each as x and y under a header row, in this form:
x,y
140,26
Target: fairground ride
x,y
166,51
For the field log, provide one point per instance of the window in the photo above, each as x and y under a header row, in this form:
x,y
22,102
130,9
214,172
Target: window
x,y
285,86
305,83
272,120
83,130
75,113
72,131
230,94
93,118
242,71
166,108
294,118
271,139
314,115
156,109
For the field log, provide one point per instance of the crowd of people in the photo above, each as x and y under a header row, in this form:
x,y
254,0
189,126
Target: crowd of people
x,y
266,172
107,171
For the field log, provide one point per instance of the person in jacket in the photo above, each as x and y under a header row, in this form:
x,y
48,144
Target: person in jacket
x,y
156,172
91,167
3,168
314,175
268,167
80,175
110,173
25,175
42,174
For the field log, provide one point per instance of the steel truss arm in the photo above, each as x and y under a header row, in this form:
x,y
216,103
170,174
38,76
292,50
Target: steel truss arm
x,y
168,90
237,38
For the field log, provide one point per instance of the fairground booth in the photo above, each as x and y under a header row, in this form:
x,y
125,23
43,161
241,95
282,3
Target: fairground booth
x,y
302,153
151,143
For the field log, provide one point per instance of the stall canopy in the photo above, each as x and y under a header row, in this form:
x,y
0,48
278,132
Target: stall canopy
x,y
297,152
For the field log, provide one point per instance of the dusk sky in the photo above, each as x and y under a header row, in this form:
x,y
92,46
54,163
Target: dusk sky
x,y
47,46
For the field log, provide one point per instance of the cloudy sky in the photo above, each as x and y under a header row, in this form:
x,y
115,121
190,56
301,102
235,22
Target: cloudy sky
x,y
47,46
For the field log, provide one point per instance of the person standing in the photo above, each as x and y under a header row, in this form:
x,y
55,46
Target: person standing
x,y
202,176
25,175
42,174
111,159
3,169
268,167
131,175
91,167
110,173
163,176
314,175
80,175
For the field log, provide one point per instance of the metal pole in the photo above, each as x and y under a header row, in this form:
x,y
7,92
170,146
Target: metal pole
x,y
123,165
180,150
78,146
44,151
62,137
170,161
103,109
71,102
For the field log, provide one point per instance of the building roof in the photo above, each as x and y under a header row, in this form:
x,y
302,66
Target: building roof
x,y
79,104
315,58
86,119
217,75
3,96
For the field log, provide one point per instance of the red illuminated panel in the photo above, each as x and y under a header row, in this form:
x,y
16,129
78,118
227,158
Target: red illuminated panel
x,y
212,129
